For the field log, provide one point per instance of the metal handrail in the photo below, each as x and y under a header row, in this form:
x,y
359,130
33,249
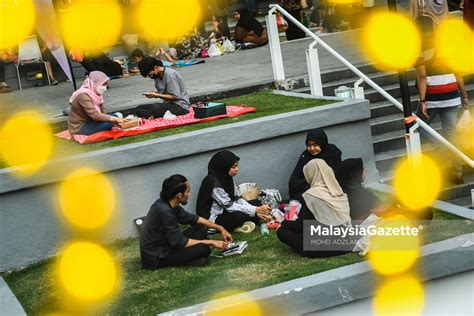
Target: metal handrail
x,y
386,95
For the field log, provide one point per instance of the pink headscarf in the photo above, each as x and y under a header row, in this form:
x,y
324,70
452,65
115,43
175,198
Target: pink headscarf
x,y
94,80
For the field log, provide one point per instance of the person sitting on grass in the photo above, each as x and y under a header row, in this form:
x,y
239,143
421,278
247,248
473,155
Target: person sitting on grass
x,y
170,88
219,198
163,244
87,115
324,202
317,146
248,29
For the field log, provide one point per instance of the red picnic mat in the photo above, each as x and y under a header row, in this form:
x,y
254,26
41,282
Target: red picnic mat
x,y
153,125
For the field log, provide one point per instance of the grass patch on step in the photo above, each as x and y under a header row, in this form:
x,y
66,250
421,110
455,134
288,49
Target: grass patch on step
x,y
265,102
265,262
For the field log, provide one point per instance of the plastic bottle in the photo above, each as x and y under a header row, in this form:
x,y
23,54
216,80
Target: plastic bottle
x,y
264,230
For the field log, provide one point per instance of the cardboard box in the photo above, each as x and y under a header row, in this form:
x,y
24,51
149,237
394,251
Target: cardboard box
x,y
130,124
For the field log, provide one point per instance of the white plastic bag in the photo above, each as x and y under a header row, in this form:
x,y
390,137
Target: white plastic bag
x,y
465,121
214,51
228,46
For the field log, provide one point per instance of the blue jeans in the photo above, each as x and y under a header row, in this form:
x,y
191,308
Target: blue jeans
x,y
449,119
93,127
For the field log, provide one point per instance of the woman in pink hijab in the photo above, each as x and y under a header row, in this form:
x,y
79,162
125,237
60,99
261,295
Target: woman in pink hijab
x,y
87,114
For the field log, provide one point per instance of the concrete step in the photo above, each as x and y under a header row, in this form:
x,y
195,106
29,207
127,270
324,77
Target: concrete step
x,y
465,201
380,78
394,140
386,160
383,108
390,123
450,191
301,84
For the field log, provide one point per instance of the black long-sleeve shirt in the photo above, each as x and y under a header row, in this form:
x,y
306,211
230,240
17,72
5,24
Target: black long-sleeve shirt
x,y
161,232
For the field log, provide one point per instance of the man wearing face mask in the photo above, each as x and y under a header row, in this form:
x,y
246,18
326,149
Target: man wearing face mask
x,y
170,88
87,115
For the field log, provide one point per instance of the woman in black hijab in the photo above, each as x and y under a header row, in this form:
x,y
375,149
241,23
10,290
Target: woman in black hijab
x,y
248,29
219,199
350,174
317,146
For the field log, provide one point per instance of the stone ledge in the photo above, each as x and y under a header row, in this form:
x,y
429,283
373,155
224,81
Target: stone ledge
x,y
346,284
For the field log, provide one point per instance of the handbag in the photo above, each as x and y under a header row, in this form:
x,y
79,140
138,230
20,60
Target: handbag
x,y
249,191
204,53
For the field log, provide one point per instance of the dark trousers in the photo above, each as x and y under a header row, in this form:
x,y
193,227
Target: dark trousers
x,y
93,127
231,221
2,71
294,238
183,256
294,32
157,110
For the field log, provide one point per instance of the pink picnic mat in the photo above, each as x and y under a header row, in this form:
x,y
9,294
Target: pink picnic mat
x,y
154,125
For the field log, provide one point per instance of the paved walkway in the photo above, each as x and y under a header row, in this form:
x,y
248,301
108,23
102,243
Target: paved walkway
x,y
237,70
8,302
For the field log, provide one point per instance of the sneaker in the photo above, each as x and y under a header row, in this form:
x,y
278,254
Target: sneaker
x,y
4,87
54,83
246,228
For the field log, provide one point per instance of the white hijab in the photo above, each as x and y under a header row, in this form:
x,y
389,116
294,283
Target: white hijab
x,y
325,199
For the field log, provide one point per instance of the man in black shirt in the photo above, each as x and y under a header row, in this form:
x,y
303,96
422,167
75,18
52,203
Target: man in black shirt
x,y
163,244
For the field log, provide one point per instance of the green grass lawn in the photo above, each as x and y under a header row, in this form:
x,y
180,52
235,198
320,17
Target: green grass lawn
x,y
265,262
265,102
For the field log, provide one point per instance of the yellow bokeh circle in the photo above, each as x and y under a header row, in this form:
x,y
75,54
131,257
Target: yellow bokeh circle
x,y
17,19
167,20
87,199
91,25
391,40
401,295
417,185
394,254
26,142
454,43
88,272
227,303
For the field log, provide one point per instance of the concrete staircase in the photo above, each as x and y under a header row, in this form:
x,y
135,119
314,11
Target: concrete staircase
x,y
387,122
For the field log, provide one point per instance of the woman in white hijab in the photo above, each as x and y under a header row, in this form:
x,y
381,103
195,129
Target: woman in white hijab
x,y
324,202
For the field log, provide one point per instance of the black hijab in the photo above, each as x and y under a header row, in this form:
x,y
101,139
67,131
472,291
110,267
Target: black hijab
x,y
361,201
217,177
329,153
349,174
248,22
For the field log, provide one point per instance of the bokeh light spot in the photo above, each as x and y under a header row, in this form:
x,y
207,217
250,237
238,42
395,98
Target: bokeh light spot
x,y
391,40
229,305
88,272
401,295
26,142
417,186
87,199
454,42
91,25
390,255
167,20
17,18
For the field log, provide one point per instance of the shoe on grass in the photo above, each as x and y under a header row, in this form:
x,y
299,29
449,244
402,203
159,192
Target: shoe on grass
x,y
246,228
